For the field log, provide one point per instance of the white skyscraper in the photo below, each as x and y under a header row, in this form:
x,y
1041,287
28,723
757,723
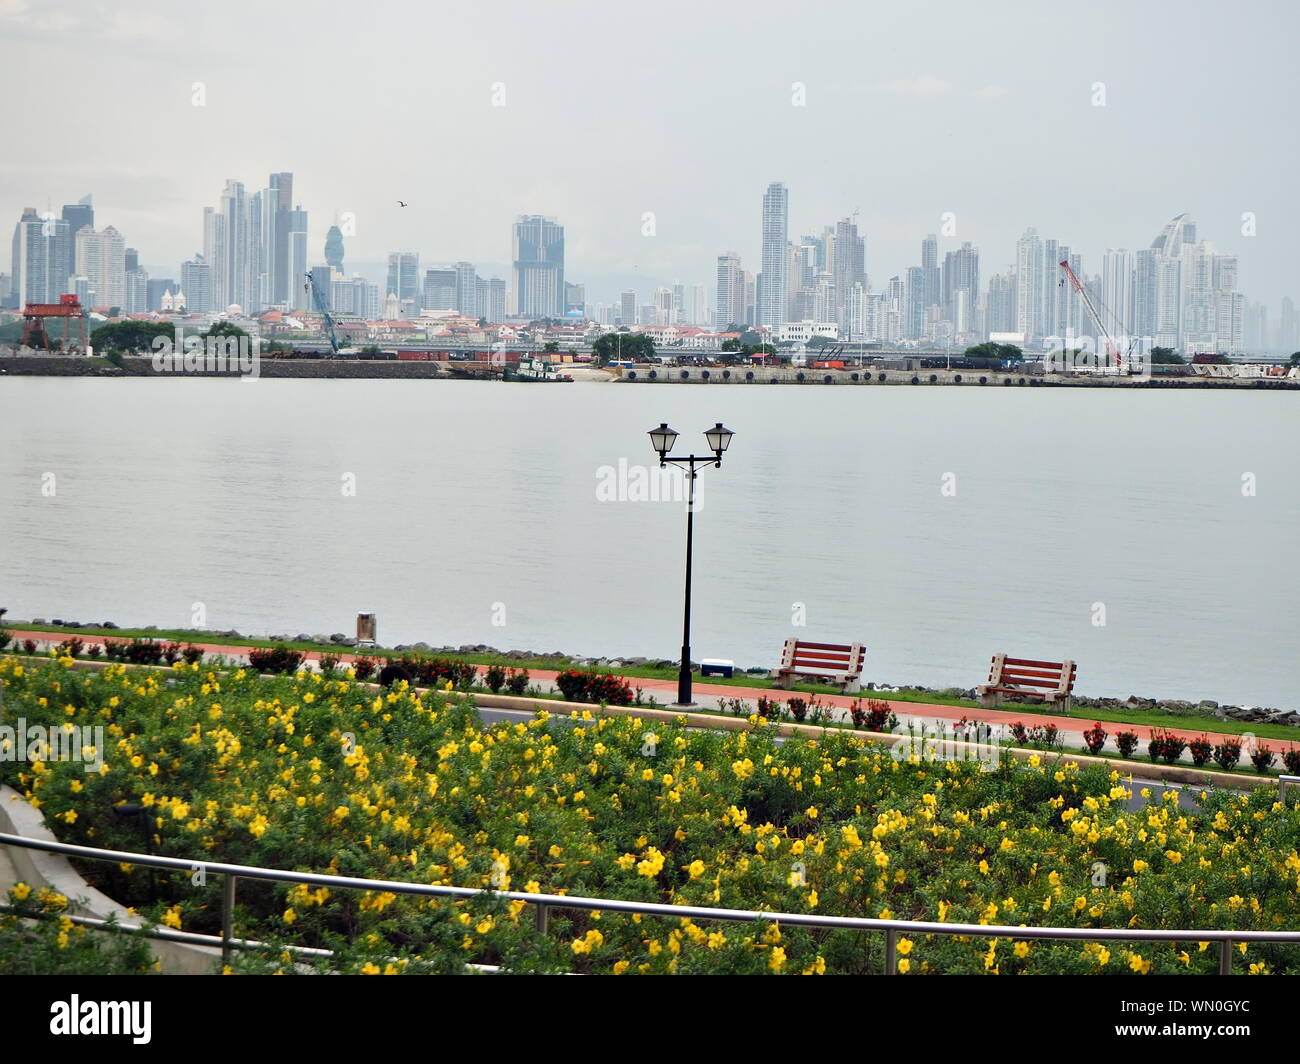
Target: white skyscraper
x,y
101,259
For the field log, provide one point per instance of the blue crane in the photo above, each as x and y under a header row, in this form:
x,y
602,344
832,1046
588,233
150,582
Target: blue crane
x,y
323,311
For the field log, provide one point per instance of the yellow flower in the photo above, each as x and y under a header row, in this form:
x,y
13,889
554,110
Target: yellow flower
x,y
696,869
777,960
370,968
620,967
811,812
904,946
290,916
904,966
1140,866
20,890
172,917
1020,949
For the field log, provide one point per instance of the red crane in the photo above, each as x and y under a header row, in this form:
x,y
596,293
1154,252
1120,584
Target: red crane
x,y
1112,349
67,308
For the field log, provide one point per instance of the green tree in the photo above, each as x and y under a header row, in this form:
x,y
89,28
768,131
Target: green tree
x,y
1166,356
133,336
550,347
1295,359
818,340
635,347
999,352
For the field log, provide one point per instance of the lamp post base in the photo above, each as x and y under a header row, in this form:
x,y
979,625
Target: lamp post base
x,y
683,705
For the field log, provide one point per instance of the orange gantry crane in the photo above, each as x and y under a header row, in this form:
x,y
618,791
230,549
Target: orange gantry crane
x,y
68,309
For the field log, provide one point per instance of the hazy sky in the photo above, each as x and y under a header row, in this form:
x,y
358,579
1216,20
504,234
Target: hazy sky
x,y
681,109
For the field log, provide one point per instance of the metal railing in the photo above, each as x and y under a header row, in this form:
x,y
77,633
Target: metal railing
x,y
543,903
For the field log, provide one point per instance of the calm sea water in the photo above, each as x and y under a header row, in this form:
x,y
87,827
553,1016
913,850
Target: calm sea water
x,y
481,515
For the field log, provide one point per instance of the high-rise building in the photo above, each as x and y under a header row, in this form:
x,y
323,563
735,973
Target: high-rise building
x,y
137,292
773,289
575,300
914,303
439,292
334,248
729,305
1029,281
404,278
627,308
79,215
467,289
1116,308
196,280
495,312
322,280
697,305
101,259
848,266
1000,307
538,256
42,258
296,260
287,281
961,286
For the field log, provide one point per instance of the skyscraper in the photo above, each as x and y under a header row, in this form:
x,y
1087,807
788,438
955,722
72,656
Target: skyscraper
x,y
848,266
961,285
101,259
296,261
79,215
467,289
1029,285
439,290
287,281
334,248
404,280
627,308
538,244
730,302
42,258
196,281
774,280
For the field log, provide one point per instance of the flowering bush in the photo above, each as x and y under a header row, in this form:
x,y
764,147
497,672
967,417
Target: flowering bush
x,y
1201,749
517,682
1291,759
1095,738
1165,745
1262,757
274,659
494,678
37,938
1227,754
1127,742
319,773
579,685
363,668
877,717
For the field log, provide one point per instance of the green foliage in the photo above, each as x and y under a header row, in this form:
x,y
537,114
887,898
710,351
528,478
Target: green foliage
x,y
326,774
130,336
1166,356
615,346
1000,352
36,938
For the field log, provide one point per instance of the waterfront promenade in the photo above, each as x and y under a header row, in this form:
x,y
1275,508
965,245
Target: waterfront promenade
x,y
711,696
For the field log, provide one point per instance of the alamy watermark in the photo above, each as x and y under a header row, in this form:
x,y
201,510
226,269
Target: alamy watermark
x,y
68,742
233,355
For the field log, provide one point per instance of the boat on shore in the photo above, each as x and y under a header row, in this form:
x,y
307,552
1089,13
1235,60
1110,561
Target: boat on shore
x,y
536,370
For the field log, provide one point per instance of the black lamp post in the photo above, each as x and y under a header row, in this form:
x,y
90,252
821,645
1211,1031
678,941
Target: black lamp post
x,y
662,440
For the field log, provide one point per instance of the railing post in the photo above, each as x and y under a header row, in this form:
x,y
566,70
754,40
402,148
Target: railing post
x,y
1225,957
227,917
891,952
541,917
1283,782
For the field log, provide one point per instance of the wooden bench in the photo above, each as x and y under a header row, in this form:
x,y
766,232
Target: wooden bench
x,y
1053,681
836,662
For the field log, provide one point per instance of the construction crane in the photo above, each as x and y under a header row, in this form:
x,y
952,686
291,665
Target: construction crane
x,y
1112,349
323,311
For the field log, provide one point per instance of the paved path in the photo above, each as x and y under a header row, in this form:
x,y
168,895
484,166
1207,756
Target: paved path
x,y
708,695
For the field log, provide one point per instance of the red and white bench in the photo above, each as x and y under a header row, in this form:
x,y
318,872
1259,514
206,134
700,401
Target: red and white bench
x,y
839,663
1053,681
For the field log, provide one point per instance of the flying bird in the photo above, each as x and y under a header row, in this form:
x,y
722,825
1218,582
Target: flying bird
x,y
401,203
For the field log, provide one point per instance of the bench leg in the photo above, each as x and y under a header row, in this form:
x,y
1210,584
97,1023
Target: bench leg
x,y
990,699
852,687
785,681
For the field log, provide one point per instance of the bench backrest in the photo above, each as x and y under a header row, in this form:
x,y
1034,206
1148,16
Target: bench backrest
x,y
822,659
1026,672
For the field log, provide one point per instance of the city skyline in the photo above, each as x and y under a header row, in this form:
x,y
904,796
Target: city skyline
x,y
1176,292
1078,132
